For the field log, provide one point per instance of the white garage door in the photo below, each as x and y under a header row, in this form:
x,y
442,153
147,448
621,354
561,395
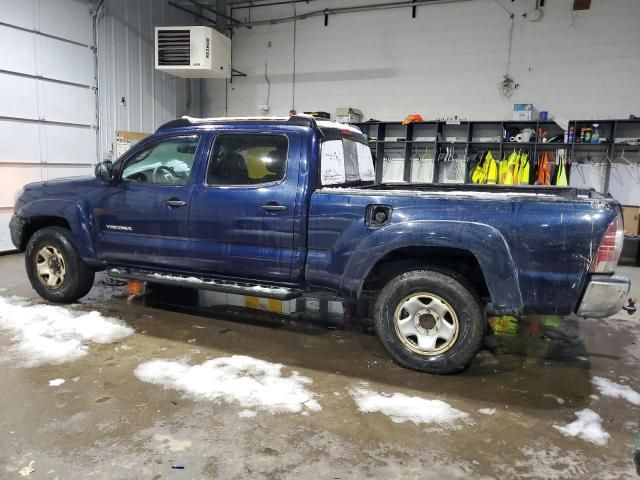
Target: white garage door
x,y
47,99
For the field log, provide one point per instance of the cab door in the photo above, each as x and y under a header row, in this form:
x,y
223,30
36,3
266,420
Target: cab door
x,y
242,215
143,219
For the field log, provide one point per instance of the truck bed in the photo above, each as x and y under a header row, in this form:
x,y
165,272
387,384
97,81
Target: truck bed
x,y
534,244
481,191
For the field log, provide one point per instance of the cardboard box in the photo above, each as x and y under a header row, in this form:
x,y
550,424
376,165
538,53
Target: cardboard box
x,y
631,218
524,111
348,115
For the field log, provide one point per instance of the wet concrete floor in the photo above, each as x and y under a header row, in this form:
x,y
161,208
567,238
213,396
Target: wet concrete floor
x,y
108,424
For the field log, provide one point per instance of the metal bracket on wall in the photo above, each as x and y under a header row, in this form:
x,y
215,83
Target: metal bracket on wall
x,y
236,73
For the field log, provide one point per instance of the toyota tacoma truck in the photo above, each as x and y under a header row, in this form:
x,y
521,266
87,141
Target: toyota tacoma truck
x,y
283,207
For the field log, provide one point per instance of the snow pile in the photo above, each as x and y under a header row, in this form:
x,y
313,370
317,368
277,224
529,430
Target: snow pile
x,y
402,408
611,389
588,427
251,382
56,382
48,334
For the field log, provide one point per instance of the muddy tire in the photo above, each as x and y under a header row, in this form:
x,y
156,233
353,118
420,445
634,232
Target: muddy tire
x,y
430,321
54,266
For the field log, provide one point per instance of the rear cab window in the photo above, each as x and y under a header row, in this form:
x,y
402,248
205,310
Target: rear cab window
x,y
247,159
345,157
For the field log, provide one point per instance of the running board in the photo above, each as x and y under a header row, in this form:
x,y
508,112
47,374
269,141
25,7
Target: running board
x,y
225,286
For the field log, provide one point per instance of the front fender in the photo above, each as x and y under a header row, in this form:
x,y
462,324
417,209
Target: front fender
x,y
485,242
78,219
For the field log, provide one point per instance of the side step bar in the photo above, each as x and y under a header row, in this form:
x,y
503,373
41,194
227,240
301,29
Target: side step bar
x,y
240,288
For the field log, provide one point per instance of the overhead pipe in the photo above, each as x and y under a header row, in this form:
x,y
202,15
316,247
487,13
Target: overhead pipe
x,y
270,4
191,12
342,10
215,11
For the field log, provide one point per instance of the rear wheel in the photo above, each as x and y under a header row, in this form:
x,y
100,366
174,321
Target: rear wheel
x,y
429,321
54,266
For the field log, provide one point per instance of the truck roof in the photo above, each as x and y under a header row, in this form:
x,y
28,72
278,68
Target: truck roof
x,y
295,120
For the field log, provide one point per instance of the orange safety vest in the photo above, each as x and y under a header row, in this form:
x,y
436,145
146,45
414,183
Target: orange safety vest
x,y
543,177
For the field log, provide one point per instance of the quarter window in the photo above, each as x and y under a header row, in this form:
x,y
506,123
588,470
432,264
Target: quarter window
x,y
166,162
247,159
345,161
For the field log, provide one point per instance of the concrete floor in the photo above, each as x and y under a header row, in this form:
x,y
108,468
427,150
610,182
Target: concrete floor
x,y
108,424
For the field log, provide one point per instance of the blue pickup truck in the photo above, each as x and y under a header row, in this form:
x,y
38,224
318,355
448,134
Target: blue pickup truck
x,y
283,207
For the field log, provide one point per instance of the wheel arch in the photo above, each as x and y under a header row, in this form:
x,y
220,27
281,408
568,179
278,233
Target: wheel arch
x,y
475,251
59,213
461,262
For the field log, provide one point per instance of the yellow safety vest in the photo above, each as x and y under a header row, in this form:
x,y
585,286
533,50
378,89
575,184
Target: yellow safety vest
x,y
486,171
561,177
523,170
508,169
492,175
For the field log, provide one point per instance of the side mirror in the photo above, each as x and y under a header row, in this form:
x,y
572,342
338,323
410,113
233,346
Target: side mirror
x,y
104,171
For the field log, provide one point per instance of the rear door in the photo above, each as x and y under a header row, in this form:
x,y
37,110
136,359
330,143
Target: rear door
x,y
144,216
242,212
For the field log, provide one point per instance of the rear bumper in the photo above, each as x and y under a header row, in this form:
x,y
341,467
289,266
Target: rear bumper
x,y
17,227
605,295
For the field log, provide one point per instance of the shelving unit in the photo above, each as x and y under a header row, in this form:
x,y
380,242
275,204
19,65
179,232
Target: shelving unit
x,y
400,143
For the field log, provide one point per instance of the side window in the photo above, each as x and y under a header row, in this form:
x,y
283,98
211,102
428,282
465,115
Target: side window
x,y
247,159
167,162
345,161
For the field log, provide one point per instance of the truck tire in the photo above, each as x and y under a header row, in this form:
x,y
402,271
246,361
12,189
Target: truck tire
x,y
429,321
55,268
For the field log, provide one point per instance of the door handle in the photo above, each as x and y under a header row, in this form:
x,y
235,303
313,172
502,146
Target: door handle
x,y
174,202
273,207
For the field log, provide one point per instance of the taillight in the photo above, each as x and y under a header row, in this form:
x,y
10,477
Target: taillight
x,y
610,248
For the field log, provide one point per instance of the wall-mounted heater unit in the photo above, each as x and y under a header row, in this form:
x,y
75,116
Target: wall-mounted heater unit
x,y
193,52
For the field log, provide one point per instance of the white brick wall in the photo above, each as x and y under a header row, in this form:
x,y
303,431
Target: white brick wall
x,y
446,61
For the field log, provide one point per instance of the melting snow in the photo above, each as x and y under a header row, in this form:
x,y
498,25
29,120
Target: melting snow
x,y
179,279
255,288
476,194
48,334
402,408
56,382
616,390
272,290
588,427
251,382
487,411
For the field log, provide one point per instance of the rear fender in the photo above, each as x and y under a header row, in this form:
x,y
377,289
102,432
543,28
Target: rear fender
x,y
485,242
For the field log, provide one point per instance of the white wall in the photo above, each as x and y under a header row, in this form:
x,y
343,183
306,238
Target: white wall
x,y
48,77
446,61
47,105
126,69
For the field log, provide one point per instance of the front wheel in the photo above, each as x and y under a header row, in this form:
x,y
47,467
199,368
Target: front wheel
x,y
54,266
429,321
